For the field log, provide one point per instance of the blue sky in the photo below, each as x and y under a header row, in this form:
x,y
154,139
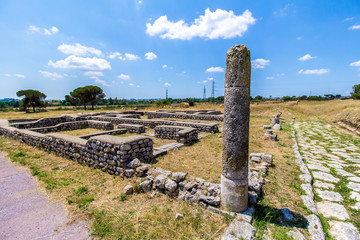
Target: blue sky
x,y
137,49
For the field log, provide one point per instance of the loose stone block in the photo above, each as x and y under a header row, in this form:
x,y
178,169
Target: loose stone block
x,y
234,178
239,230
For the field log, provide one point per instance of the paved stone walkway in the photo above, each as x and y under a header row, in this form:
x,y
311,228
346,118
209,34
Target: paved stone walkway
x,y
334,162
26,213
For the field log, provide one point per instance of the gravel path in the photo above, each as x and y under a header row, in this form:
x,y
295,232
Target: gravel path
x,y
27,213
334,162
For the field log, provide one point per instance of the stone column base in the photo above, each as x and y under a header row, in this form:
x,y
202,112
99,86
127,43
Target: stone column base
x,y
234,194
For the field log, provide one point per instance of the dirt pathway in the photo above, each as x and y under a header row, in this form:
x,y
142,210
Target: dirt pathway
x,y
333,158
26,213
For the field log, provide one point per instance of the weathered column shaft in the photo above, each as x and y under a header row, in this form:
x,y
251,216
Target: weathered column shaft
x,y
234,178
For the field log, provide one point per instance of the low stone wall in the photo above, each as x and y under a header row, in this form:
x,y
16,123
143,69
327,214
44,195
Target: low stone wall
x,y
180,134
179,115
111,132
23,120
201,127
110,153
46,122
133,128
66,126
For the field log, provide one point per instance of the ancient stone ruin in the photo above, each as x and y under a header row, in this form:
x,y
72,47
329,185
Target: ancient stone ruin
x,y
234,178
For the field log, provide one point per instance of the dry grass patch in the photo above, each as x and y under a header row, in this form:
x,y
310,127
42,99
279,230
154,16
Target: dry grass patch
x,y
95,196
79,132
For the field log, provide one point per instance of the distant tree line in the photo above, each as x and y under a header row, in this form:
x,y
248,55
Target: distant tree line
x,y
93,96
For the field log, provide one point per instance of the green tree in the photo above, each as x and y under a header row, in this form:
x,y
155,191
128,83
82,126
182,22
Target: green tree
x,y
286,98
33,98
85,95
355,94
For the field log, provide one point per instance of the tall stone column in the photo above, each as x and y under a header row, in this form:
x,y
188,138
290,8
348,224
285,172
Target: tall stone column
x,y
234,178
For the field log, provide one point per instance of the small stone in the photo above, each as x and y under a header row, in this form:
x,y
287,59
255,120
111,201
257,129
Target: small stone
x,y
356,206
277,127
170,185
239,230
309,203
190,185
308,189
141,171
323,185
178,176
330,209
215,201
344,173
255,159
179,216
354,179
354,186
160,181
315,228
318,167
343,231
134,163
146,186
355,196
129,172
329,195
306,178
268,158
128,189
289,217
267,126
296,235
325,177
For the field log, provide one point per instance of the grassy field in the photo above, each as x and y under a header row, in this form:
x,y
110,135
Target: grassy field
x,y
97,197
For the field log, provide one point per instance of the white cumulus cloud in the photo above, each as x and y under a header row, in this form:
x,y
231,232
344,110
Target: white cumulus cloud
x,y
260,63
355,64
314,71
33,28
102,82
150,56
94,74
53,30
354,27
269,78
123,57
131,84
167,84
306,57
50,75
81,63
17,75
211,25
78,50
164,66
124,76
215,69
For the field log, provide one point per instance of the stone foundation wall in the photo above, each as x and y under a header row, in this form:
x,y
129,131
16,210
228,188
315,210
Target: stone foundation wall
x,y
66,126
110,153
182,115
133,128
180,134
201,127
46,122
111,132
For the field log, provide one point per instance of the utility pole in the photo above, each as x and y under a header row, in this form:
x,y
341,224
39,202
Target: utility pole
x,y
204,95
167,93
